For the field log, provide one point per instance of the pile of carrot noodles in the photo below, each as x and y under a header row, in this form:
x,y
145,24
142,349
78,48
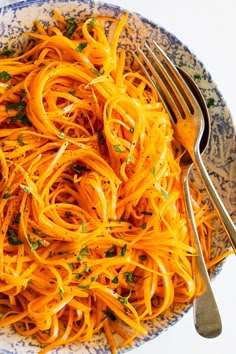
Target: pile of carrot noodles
x,y
93,228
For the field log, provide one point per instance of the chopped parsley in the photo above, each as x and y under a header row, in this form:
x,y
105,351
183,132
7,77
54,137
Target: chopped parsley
x,y
142,257
93,279
26,190
85,287
123,250
81,46
210,102
13,239
73,92
7,52
110,314
6,195
61,291
197,77
153,170
129,277
61,135
129,159
79,168
91,24
95,72
131,130
17,218
165,193
146,213
17,105
144,225
36,231
35,245
78,276
21,113
118,149
5,76
111,252
70,28
124,300
83,252
115,280
83,227
19,140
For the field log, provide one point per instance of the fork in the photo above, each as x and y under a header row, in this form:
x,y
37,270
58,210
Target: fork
x,y
188,122
206,315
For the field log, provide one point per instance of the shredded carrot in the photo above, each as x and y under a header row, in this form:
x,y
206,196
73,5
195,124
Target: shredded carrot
x,y
94,232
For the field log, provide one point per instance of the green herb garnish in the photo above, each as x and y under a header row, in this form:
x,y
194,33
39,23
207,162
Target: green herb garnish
x,y
19,140
129,159
123,250
95,72
5,76
91,24
144,225
35,245
129,277
110,314
117,148
6,195
210,102
83,227
197,77
13,239
83,252
115,280
165,193
79,168
71,28
17,218
81,46
85,287
153,170
61,135
61,291
17,105
111,252
7,52
26,190
146,213
142,257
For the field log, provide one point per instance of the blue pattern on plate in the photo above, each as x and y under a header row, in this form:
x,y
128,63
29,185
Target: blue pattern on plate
x,y
219,157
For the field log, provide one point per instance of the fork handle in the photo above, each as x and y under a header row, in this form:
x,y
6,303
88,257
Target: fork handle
x,y
207,319
224,216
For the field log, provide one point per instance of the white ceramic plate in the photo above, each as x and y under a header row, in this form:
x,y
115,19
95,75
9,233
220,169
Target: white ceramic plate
x,y
219,157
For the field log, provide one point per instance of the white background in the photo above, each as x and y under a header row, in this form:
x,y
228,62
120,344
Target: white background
x,y
208,28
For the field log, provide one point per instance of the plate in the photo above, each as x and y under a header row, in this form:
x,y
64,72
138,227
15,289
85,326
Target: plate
x,y
219,157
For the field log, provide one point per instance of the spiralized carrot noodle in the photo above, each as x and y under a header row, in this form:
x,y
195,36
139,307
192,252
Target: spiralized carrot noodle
x,y
93,225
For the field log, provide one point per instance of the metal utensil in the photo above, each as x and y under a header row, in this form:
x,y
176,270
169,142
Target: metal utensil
x,y
188,123
206,314
205,311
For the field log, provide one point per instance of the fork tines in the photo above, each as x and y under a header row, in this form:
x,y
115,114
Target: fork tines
x,y
162,72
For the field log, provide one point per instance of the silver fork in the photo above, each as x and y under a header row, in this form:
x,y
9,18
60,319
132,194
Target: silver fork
x,y
188,122
206,314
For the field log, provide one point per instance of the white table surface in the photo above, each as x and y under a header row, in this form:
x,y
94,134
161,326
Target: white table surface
x,y
208,28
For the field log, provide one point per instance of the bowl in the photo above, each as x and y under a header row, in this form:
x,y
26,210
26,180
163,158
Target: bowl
x,y
17,18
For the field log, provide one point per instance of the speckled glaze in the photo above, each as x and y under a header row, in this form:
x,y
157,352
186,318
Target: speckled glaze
x,y
219,157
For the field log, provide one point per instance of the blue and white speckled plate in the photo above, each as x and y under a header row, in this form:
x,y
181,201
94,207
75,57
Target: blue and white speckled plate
x,y
219,157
